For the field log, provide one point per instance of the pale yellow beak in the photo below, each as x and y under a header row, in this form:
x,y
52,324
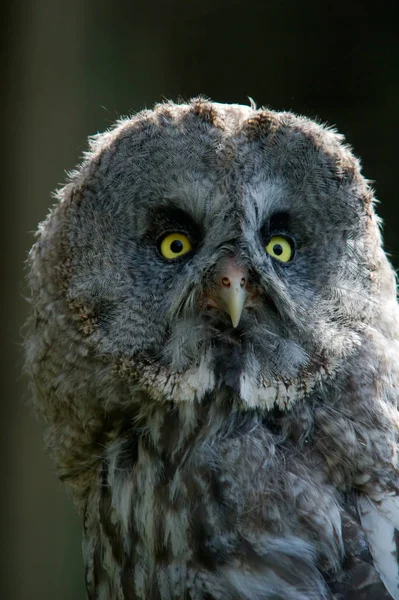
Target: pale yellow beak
x,y
230,294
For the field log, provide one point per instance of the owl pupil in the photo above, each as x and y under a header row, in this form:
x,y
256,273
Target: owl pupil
x,y
277,249
176,246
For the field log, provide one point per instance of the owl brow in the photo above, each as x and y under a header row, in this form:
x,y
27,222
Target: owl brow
x,y
278,222
163,218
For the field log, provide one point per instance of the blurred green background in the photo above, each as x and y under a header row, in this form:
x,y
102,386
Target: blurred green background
x,y
69,70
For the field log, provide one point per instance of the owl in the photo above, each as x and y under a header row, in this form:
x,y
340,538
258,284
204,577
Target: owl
x,y
214,347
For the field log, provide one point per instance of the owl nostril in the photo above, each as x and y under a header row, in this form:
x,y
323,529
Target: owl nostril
x,y
227,283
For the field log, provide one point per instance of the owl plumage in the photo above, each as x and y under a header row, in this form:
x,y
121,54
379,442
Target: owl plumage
x,y
214,348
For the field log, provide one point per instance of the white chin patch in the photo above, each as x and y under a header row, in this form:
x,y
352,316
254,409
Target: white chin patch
x,y
254,394
190,386
266,394
254,390
196,382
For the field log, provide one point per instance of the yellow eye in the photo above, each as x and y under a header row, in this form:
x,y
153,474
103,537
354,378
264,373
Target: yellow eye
x,y
280,248
175,245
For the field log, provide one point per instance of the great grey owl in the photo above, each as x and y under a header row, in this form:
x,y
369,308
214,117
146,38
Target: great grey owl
x,y
213,345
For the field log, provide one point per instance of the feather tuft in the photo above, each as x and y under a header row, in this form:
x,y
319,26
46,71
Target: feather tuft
x,y
380,521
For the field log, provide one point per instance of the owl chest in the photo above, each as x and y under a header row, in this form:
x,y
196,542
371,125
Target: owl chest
x,y
163,522
161,513
186,510
152,507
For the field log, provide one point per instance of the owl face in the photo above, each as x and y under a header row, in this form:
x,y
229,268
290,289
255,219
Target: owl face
x,y
216,246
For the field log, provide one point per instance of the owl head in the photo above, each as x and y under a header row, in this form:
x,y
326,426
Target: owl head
x,y
204,247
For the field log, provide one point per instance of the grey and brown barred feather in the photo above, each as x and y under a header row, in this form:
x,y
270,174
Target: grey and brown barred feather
x,y
209,461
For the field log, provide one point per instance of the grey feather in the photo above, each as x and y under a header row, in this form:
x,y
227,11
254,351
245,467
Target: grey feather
x,y
380,521
210,461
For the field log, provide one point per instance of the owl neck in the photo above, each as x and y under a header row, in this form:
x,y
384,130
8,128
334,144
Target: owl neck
x,y
174,430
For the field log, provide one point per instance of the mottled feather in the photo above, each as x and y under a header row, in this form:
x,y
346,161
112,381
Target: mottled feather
x,y
209,461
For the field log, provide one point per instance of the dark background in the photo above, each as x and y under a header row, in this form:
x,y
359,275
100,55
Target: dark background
x,y
69,69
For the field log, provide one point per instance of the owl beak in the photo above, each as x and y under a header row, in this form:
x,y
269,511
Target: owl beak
x,y
233,298
230,294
